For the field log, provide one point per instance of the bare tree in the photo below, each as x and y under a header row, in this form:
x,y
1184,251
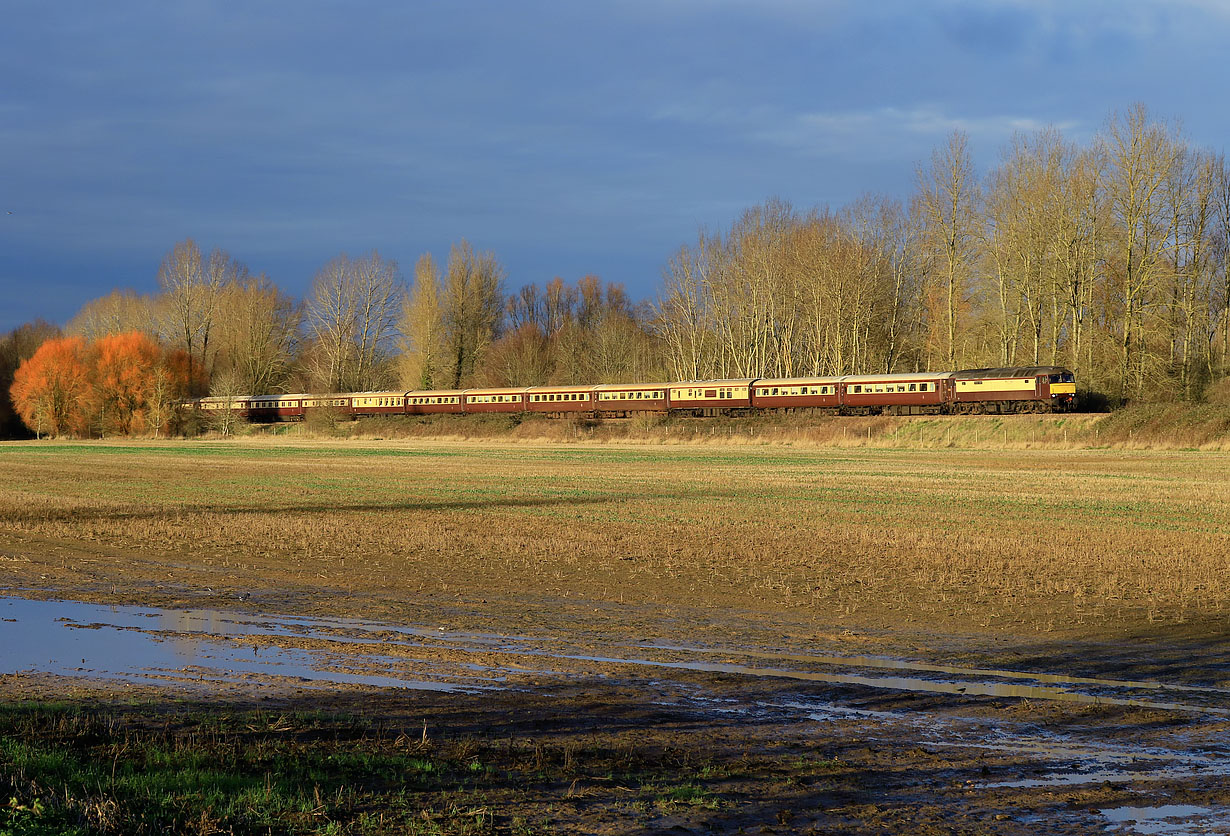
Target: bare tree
x,y
119,312
257,332
352,318
331,318
949,198
190,290
472,308
683,316
380,298
1079,231
1221,252
1140,154
422,328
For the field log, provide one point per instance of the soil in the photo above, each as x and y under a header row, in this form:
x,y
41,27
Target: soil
x,y
756,718
773,750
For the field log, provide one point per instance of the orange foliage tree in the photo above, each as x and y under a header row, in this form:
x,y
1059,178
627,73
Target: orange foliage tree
x,y
121,384
132,384
51,390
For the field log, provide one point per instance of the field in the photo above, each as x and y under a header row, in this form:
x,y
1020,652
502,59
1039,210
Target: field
x,y
1049,562
1029,540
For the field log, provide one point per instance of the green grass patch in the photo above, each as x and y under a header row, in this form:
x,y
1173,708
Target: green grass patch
x,y
134,770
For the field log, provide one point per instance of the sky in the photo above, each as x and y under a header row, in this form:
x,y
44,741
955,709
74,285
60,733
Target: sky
x,y
568,138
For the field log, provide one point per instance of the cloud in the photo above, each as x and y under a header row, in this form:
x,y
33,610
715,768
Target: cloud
x,y
868,134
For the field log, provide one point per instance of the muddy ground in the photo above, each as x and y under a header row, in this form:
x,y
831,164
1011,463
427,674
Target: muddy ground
x,y
686,705
769,725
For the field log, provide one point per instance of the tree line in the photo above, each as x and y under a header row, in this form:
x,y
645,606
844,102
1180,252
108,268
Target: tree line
x,y
1110,258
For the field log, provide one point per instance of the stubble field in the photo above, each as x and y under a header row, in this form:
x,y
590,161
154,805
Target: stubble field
x,y
662,584
1026,540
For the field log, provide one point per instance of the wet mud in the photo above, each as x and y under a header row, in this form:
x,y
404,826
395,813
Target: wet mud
x,y
932,734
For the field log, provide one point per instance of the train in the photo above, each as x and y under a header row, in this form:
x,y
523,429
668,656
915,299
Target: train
x,y
969,391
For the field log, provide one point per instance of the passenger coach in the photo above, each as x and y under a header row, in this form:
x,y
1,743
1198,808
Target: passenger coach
x,y
560,400
619,400
896,394
378,403
435,402
495,400
790,393
711,397
274,408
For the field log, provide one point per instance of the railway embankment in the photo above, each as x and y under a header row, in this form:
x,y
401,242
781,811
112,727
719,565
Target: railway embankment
x,y
1180,426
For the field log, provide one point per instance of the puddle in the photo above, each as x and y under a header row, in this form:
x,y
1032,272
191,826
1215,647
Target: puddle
x,y
89,640
147,645
887,663
1168,820
965,688
143,645
1062,760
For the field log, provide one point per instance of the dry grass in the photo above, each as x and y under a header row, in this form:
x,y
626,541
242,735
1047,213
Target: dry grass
x,y
1014,539
1142,427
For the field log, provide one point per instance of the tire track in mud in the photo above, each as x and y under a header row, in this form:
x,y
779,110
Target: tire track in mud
x,y
205,649
313,647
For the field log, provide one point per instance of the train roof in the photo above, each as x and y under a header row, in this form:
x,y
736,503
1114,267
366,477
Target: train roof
x,y
734,381
434,393
894,378
795,381
1009,372
621,387
588,387
499,390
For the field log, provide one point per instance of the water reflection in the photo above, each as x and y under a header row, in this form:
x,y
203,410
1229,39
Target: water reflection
x,y
74,638
1166,820
71,638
